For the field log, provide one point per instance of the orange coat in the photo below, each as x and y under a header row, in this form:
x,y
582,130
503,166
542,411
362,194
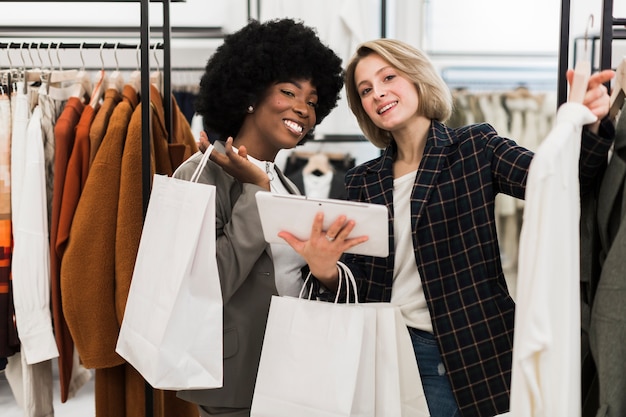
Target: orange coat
x,y
88,265
99,126
64,138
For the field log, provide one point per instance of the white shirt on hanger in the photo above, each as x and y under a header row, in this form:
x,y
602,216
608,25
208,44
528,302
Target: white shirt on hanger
x,y
546,375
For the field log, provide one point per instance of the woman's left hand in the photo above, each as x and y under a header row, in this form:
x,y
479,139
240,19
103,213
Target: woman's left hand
x,y
203,143
597,98
236,163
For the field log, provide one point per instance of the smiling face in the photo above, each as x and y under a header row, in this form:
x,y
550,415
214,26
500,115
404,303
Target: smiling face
x,y
283,116
388,97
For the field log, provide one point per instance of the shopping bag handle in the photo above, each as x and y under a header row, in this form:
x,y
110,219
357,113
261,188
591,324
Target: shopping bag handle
x,y
344,273
202,164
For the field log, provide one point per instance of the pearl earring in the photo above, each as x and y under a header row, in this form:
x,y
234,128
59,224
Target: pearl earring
x,y
250,109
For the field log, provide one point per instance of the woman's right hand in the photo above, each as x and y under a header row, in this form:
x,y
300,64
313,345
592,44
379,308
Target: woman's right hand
x,y
324,248
237,164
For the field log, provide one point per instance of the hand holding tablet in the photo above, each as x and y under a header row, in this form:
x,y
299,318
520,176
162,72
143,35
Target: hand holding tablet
x,y
295,214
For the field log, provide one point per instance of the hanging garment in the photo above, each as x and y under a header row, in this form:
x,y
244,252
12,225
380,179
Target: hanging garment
x,y
329,185
92,303
182,142
30,372
50,111
546,348
9,343
76,175
187,102
31,385
64,133
31,254
607,332
99,126
89,299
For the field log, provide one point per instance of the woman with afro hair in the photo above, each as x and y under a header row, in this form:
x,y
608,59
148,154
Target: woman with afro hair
x,y
264,89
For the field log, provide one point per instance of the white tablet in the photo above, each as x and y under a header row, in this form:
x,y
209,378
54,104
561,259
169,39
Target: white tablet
x,y
295,214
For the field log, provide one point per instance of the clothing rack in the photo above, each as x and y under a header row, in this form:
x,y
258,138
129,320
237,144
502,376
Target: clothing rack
x,y
608,33
145,101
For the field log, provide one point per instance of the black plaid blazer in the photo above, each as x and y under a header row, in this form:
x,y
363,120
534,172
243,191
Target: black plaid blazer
x,y
456,248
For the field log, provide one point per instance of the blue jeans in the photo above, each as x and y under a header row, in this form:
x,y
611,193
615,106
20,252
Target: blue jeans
x,y
437,388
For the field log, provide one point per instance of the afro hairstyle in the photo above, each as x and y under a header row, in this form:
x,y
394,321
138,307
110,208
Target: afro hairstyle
x,y
257,56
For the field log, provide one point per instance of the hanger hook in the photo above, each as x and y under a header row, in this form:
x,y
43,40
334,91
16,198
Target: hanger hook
x,y
22,56
39,54
117,64
50,57
82,58
101,57
589,26
30,55
9,56
158,64
137,57
58,57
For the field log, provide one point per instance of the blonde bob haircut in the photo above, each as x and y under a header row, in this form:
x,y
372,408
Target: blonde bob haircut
x,y
435,99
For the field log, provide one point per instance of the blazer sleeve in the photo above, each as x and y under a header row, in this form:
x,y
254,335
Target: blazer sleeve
x,y
240,242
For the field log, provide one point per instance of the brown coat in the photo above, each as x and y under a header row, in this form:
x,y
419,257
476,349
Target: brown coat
x,y
99,126
102,246
88,265
64,138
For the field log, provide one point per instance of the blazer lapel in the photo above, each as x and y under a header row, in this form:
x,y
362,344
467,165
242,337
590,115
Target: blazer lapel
x,y
285,182
433,161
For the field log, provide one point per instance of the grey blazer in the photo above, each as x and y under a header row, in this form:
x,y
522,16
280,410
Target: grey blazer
x,y
607,330
247,280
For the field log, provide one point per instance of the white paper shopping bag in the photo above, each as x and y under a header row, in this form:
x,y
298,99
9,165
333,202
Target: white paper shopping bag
x,y
317,360
398,385
172,326
399,391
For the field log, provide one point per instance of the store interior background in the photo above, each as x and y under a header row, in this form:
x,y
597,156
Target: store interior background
x,y
482,45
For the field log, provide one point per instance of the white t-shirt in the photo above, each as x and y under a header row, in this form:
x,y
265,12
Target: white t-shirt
x,y
317,186
407,291
287,262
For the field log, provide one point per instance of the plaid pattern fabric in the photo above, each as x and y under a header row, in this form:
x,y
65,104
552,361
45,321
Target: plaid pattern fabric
x,y
456,249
